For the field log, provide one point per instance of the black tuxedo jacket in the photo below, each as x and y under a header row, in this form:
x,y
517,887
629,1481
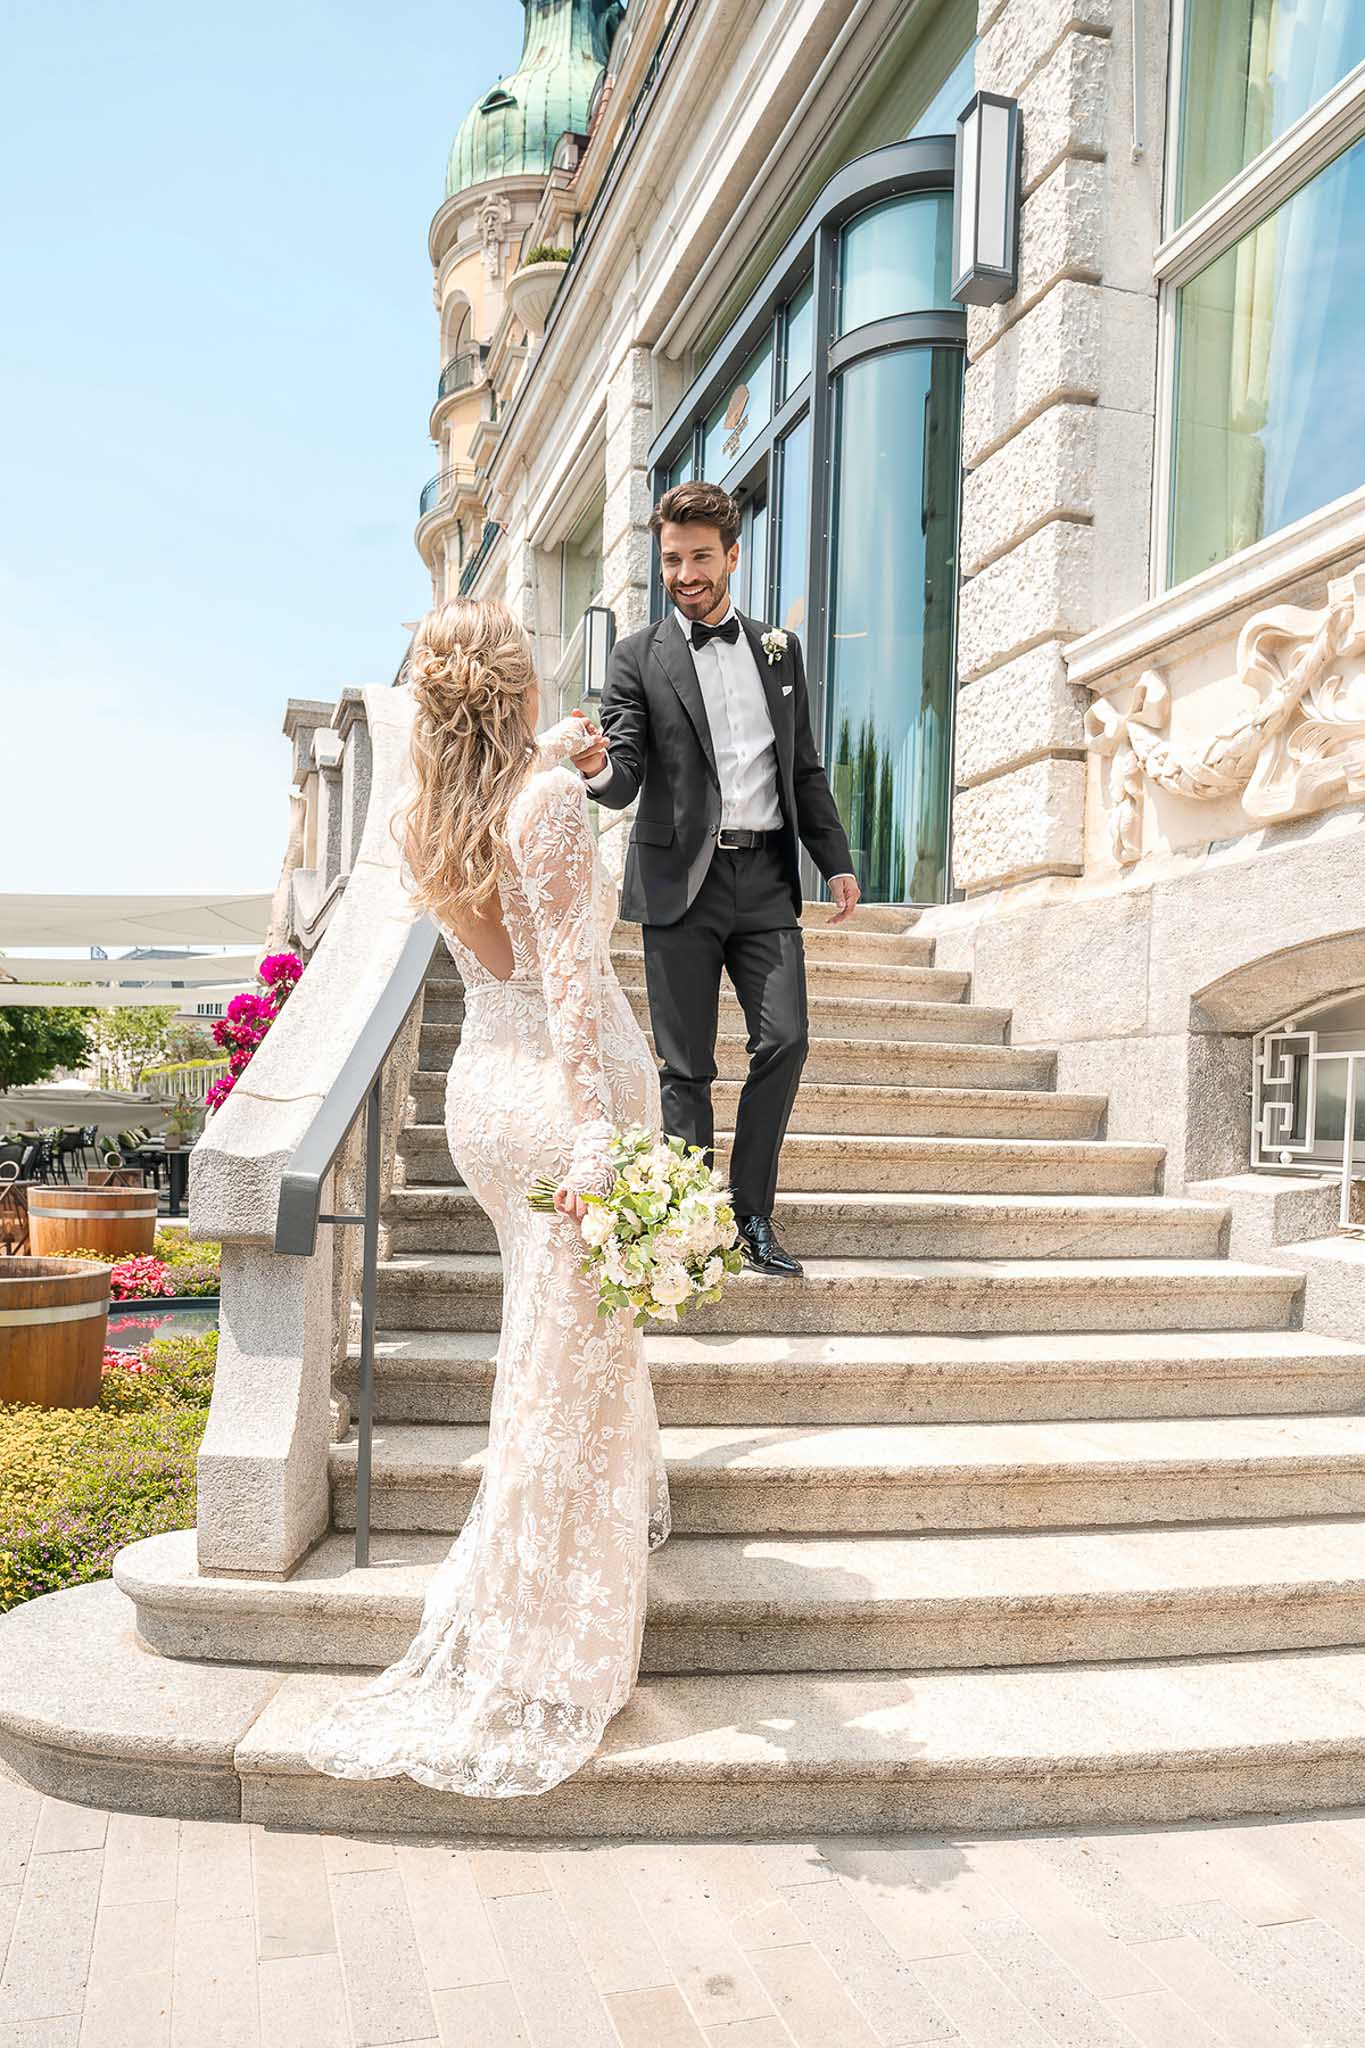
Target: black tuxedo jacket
x,y
662,752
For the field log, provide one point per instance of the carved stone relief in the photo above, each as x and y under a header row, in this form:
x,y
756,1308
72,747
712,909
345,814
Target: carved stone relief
x,y
1303,746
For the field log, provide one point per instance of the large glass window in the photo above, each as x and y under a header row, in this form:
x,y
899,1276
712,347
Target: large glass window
x,y
1252,67
580,580
896,258
793,532
1270,375
892,592
1265,287
740,416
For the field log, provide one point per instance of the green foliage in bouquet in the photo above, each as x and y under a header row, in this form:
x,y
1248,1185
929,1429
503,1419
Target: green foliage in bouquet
x,y
662,1239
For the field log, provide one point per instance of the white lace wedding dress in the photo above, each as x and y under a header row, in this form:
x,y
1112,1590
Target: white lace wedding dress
x,y
531,1628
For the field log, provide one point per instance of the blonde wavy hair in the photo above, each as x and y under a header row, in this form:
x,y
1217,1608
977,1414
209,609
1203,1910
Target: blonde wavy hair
x,y
473,746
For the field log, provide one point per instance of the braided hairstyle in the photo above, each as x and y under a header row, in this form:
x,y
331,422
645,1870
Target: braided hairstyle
x,y
473,746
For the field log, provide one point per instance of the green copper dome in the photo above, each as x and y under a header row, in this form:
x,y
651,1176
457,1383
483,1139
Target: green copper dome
x,y
514,127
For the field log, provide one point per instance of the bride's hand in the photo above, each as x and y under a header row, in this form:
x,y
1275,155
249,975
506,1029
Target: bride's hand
x,y
567,1203
575,739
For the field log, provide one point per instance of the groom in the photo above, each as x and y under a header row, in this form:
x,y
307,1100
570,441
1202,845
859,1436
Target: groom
x,y
705,719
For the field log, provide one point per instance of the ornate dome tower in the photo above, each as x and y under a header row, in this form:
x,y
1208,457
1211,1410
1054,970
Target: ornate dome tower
x,y
514,127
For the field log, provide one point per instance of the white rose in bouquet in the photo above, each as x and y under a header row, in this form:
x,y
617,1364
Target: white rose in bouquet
x,y
663,1237
671,1286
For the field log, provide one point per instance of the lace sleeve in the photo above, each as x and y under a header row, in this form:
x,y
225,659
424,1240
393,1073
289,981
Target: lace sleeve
x,y
553,848
559,743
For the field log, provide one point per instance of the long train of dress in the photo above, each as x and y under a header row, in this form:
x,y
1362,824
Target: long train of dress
x,y
531,1628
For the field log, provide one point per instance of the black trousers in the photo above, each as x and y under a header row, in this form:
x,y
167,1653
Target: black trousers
x,y
742,920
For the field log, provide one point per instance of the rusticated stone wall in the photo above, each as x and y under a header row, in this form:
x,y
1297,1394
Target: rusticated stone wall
x,y
1057,430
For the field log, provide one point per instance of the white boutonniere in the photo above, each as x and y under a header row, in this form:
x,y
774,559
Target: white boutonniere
x,y
774,644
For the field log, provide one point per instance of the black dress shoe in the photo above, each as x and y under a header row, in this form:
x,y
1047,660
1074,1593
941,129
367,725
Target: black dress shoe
x,y
762,1251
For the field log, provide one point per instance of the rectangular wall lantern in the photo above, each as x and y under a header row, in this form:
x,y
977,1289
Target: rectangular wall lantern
x,y
599,637
986,200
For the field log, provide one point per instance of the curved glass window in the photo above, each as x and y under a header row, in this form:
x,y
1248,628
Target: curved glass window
x,y
800,338
832,410
896,258
892,602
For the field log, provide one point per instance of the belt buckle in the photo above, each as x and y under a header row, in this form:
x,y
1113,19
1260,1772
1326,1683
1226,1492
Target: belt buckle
x,y
727,840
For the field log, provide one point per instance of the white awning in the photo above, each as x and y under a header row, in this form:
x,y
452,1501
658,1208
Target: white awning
x,y
34,996
81,921
187,967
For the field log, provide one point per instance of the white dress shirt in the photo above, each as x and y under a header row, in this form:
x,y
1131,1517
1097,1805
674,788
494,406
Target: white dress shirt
x,y
741,730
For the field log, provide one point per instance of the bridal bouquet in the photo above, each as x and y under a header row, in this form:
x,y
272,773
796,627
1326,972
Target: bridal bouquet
x,y
663,1238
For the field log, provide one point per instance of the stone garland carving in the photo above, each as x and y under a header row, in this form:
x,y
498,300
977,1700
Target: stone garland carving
x,y
1302,747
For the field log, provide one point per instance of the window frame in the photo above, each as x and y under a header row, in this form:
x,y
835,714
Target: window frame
x,y
897,169
1284,167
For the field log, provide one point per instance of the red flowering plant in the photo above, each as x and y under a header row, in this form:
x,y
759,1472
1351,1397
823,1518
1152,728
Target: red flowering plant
x,y
141,1279
248,1019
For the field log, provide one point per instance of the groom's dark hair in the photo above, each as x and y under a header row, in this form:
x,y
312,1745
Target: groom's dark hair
x,y
699,503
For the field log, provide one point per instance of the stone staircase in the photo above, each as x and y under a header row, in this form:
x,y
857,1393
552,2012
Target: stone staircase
x,y
1027,1505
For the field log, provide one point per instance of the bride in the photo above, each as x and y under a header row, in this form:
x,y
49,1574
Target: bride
x,y
531,1628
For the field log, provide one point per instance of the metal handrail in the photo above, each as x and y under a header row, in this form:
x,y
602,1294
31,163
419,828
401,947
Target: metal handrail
x,y
470,574
359,1085
461,371
433,490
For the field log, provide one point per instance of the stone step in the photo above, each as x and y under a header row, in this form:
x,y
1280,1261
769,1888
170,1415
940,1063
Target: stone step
x,y
826,979
731,1756
979,1113
447,1376
895,946
748,1479
844,1053
819,1603
87,1713
930,1010
869,917
463,1291
816,1163
830,1061
914,1226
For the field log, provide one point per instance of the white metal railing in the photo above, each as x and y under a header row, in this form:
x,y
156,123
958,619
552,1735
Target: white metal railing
x,y
1286,1068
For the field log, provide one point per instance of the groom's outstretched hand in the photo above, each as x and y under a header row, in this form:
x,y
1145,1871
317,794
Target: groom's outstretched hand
x,y
844,892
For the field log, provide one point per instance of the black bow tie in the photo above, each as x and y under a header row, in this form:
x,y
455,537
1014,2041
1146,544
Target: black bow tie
x,y
727,630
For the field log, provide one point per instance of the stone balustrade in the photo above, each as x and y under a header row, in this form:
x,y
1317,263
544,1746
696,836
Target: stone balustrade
x,y
263,1496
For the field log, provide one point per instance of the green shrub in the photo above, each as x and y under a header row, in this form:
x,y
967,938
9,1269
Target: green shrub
x,y
546,252
77,1484
178,1248
171,1372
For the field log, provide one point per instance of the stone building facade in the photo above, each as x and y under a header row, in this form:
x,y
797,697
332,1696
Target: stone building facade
x,y
1076,573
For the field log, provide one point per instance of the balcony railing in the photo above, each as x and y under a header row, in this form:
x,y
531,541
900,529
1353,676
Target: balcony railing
x,y
469,576
434,490
462,371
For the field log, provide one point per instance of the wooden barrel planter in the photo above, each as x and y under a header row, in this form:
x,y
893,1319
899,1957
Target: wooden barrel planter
x,y
53,1317
119,1221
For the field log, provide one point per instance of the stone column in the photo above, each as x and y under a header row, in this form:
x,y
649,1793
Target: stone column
x,y
626,543
1057,430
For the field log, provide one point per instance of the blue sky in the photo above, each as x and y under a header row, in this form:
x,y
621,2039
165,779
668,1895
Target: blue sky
x,y
217,359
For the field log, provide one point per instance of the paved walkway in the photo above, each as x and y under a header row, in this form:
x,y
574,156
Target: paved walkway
x,y
117,1932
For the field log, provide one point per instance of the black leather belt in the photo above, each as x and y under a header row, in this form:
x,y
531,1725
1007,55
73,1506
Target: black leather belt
x,y
734,840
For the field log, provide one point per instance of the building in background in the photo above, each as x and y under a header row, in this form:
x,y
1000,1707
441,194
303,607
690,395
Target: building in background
x,y
1078,574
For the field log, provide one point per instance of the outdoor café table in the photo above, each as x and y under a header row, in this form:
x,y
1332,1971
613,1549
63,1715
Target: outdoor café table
x,y
176,1161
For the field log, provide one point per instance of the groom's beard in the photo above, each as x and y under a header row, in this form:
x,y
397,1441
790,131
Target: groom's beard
x,y
714,598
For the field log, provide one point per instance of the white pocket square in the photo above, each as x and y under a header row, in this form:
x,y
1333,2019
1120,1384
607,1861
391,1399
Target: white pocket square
x,y
786,689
